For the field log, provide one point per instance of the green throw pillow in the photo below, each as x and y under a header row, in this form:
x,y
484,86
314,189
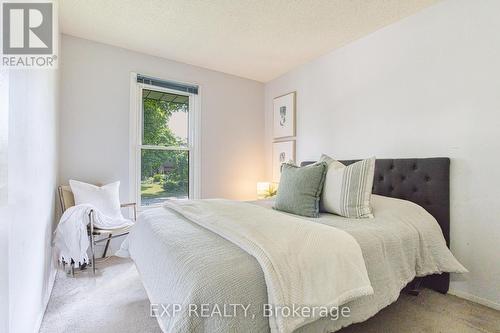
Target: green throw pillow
x,y
299,190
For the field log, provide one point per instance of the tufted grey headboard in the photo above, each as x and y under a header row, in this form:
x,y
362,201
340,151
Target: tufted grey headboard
x,y
424,181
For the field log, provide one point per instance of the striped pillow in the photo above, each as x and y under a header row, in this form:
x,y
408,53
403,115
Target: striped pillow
x,y
347,189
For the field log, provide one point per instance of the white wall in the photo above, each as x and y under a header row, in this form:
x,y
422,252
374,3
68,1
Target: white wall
x,y
95,97
4,217
4,270
428,85
32,179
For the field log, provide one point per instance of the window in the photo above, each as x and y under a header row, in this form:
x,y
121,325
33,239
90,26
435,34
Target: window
x,y
164,143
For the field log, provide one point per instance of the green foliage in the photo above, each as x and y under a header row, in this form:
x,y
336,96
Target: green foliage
x,y
158,178
170,168
156,116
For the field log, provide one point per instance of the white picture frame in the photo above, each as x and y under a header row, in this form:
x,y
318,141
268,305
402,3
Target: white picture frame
x,y
283,151
284,116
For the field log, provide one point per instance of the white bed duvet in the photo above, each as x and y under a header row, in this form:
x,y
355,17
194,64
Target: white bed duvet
x,y
184,264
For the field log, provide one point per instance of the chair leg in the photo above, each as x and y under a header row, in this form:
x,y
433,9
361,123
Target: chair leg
x,y
92,249
107,245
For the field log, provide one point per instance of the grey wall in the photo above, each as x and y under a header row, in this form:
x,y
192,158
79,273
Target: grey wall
x,y
95,97
428,85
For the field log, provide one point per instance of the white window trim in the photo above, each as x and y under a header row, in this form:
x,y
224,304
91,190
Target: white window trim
x,y
136,142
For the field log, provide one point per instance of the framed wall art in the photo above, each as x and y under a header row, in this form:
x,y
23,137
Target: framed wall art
x,y
284,116
282,152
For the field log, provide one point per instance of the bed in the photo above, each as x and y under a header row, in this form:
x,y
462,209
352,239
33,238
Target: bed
x,y
183,263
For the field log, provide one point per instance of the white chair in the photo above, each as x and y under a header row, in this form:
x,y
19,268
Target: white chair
x,y
67,200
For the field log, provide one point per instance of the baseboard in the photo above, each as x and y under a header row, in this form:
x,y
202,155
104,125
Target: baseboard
x,y
52,280
475,299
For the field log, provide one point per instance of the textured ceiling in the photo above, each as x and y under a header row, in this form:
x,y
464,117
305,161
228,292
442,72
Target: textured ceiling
x,y
256,39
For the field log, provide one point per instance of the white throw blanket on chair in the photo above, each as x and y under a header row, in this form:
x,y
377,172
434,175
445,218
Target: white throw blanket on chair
x,y
71,239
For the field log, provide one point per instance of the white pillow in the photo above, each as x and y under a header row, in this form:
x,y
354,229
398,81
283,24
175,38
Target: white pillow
x,y
347,189
105,198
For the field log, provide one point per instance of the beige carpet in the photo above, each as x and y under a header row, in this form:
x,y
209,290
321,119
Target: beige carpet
x,y
115,301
